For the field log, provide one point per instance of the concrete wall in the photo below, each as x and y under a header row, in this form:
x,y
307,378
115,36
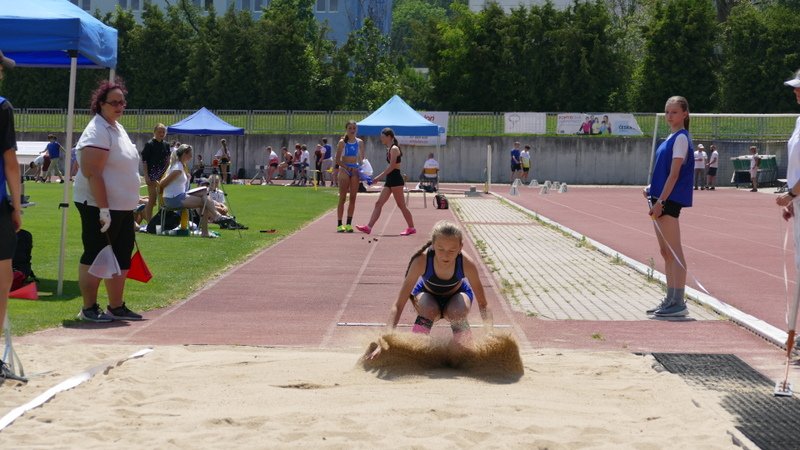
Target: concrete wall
x,y
573,160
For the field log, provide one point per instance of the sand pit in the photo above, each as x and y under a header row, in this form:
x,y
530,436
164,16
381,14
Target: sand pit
x,y
249,397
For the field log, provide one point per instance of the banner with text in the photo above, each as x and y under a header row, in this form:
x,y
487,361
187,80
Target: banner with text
x,y
606,124
525,123
439,118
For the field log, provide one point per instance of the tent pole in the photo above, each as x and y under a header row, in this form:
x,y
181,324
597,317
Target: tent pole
x,y
73,74
111,75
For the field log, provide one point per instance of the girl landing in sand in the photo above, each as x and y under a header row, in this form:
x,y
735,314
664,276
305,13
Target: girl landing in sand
x,y
441,283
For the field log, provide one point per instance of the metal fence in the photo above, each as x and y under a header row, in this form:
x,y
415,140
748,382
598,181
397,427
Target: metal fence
x,y
703,126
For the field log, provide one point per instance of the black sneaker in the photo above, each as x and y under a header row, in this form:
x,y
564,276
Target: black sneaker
x,y
676,309
6,373
123,313
94,314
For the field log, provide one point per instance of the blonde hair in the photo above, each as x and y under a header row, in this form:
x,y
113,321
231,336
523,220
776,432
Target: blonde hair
x,y
160,126
684,104
175,157
442,229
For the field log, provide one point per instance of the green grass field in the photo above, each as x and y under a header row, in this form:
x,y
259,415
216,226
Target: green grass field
x,y
180,265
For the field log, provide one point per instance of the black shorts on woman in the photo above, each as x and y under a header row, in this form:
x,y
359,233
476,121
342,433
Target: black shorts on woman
x,y
120,235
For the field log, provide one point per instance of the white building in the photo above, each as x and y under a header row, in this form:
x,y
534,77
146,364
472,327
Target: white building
x,y
342,16
508,5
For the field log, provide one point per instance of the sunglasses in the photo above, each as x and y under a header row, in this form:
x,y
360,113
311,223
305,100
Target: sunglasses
x,y
117,103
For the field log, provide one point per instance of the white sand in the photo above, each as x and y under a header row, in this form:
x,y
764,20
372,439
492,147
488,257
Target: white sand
x,y
248,397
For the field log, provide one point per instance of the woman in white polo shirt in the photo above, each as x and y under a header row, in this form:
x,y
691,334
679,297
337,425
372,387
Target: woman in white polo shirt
x,y
106,193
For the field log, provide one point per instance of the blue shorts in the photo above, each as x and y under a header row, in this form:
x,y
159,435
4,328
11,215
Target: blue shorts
x,y
175,202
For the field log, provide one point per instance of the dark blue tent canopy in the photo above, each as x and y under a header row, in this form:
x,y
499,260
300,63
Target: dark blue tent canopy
x,y
397,115
204,122
41,33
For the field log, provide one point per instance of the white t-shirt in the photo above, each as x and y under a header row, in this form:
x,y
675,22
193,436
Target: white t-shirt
x,y
680,148
273,157
121,172
218,196
753,161
430,164
39,160
700,158
178,185
525,158
793,169
304,158
714,161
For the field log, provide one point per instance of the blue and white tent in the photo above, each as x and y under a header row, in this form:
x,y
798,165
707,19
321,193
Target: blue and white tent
x,y
397,115
56,33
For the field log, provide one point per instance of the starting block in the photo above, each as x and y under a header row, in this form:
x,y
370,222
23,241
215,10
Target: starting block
x,y
533,184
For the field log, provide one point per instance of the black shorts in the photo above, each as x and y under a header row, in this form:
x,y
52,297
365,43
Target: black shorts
x,y
395,178
526,169
670,208
712,171
120,233
273,164
221,161
515,167
8,237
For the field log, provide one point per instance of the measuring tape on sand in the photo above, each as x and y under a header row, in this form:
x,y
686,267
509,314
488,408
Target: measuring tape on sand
x,y
65,385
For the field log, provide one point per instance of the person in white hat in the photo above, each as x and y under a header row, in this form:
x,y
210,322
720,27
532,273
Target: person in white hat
x,y
10,201
700,158
789,200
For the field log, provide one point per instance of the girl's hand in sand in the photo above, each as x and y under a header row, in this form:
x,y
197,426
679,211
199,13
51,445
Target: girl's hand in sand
x,y
373,351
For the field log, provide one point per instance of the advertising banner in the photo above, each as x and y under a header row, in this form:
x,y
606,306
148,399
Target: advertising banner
x,y
620,124
525,123
439,118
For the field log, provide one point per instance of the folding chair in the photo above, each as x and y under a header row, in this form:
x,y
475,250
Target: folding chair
x,y
183,212
429,179
13,369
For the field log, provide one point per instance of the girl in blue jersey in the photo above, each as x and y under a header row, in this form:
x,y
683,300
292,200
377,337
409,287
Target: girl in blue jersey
x,y
393,186
670,190
441,283
349,154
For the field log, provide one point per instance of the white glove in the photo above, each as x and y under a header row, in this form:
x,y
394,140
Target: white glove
x,y
105,219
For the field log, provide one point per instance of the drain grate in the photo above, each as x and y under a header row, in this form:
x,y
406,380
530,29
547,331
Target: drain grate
x,y
769,422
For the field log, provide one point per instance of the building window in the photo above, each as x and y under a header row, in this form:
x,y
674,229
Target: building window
x,y
245,5
123,4
136,5
86,5
257,4
327,6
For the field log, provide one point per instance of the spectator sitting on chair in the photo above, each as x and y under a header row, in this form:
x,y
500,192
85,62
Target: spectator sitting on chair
x,y
175,184
287,162
430,172
217,195
199,169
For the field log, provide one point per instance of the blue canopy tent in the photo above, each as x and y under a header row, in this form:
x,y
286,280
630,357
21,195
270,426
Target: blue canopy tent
x,y
203,123
402,119
397,115
56,33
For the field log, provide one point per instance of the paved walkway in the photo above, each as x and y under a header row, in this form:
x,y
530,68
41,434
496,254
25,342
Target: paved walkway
x,y
317,288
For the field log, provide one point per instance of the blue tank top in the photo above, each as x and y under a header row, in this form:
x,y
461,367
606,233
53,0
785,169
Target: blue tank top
x,y
351,151
436,285
682,192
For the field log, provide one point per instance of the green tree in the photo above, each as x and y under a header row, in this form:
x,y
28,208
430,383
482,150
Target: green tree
x,y
412,20
679,56
289,57
157,60
374,75
234,73
201,59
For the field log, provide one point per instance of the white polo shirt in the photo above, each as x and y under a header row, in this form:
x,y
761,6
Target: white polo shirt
x,y
121,172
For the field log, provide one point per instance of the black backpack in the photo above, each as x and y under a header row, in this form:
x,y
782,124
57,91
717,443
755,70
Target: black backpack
x,y
22,255
440,202
171,221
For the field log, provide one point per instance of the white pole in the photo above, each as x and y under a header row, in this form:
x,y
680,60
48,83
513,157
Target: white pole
x,y
73,74
111,74
653,154
488,185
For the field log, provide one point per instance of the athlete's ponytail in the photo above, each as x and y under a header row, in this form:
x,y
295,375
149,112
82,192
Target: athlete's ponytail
x,y
415,255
